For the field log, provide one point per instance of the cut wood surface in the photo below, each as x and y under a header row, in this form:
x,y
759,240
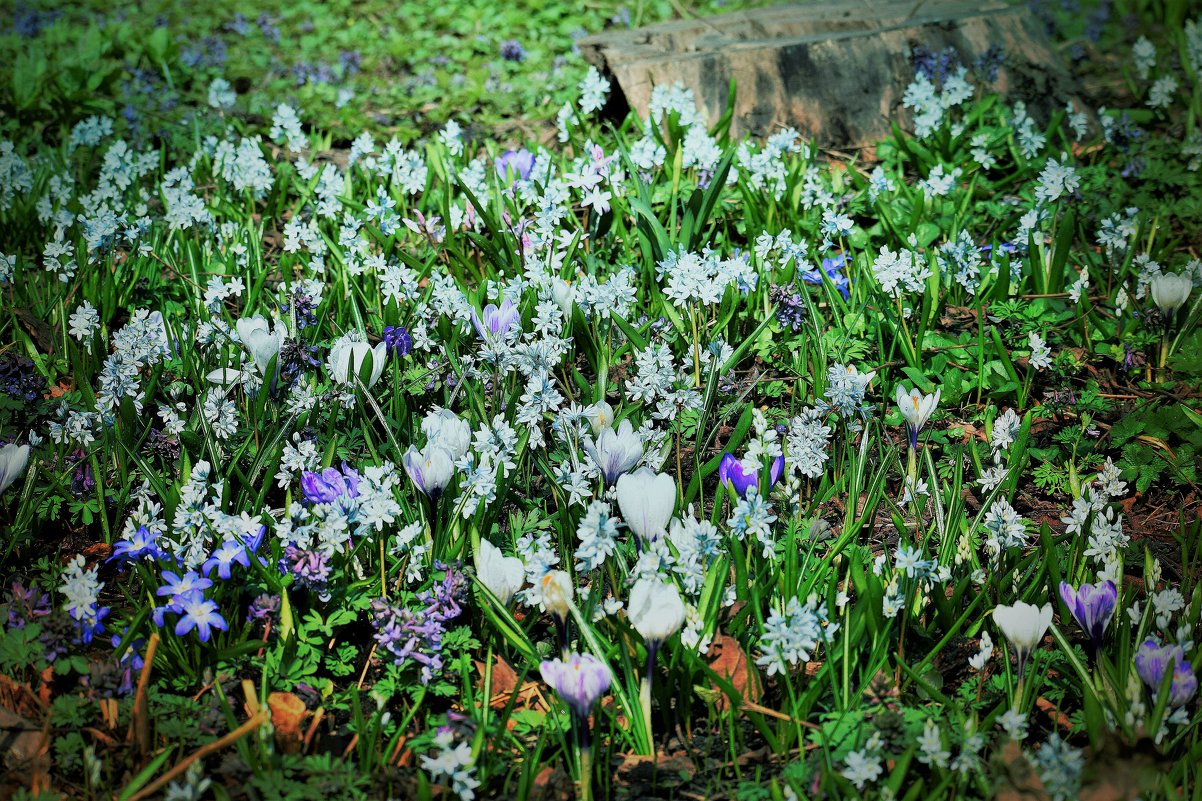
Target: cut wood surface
x,y
836,72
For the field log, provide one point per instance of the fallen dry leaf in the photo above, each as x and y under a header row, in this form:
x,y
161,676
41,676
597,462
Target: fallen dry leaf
x,y
504,681
729,661
288,713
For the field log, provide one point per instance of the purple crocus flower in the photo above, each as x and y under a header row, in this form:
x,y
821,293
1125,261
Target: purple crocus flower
x,y
1092,607
200,613
735,475
521,162
1153,660
329,485
580,681
496,320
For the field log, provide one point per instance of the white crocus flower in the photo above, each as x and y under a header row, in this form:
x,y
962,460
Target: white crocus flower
x,y
556,590
1024,626
1170,291
261,340
430,469
655,610
503,575
614,452
564,296
917,409
346,360
444,427
13,458
647,500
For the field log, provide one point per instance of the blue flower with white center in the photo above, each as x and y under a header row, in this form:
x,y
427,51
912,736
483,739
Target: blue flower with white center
x,y
178,586
228,553
142,542
200,613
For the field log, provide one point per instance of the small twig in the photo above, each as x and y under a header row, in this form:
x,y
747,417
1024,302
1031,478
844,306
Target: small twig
x,y
237,734
312,731
139,724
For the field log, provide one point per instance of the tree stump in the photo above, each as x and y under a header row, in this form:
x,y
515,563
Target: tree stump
x,y
835,71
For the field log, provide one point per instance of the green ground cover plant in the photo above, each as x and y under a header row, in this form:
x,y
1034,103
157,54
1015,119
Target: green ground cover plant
x,y
369,432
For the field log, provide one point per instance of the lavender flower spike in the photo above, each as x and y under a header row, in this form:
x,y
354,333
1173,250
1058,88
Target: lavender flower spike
x,y
1092,606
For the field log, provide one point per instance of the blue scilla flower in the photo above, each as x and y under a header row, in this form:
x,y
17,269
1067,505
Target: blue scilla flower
x,y
178,586
143,542
224,557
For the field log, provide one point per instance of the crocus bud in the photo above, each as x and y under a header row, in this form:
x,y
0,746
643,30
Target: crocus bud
x,y
655,609
564,295
430,469
261,341
614,452
556,589
1024,626
600,416
1170,291
13,458
741,477
647,500
503,575
1092,606
345,362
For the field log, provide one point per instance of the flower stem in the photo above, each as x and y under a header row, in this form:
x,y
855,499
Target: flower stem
x,y
645,692
912,468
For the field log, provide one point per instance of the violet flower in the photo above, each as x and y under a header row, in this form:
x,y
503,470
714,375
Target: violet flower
x,y
397,340
520,162
496,320
310,569
739,477
264,607
329,485
26,605
1092,606
415,635
1153,660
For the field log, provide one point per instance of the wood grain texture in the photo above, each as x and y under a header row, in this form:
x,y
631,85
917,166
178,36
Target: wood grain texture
x,y
836,72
